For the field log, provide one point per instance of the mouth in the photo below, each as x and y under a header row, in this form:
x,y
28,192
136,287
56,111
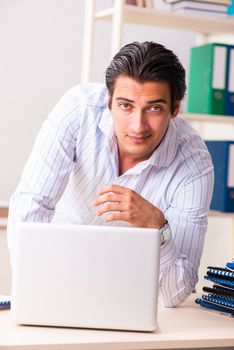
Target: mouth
x,y
138,139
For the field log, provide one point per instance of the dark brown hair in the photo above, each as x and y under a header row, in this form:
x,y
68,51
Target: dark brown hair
x,y
148,61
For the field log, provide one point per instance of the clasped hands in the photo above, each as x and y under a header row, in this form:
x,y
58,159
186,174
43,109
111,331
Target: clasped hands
x,y
123,204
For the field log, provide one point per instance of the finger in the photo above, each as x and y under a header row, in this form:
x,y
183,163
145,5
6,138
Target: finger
x,y
110,207
112,188
108,197
118,216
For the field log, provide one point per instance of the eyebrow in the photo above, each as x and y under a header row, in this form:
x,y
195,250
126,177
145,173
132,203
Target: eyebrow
x,y
158,100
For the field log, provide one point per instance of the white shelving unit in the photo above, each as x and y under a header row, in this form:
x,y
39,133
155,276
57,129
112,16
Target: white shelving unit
x,y
201,121
3,215
207,118
120,14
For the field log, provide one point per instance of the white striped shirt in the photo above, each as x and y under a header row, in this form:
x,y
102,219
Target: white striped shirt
x,y
75,155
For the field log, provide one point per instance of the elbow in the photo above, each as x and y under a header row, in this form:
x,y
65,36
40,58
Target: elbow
x,y
174,294
175,300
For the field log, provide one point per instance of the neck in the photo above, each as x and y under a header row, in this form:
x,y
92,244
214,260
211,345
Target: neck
x,y
127,161
125,164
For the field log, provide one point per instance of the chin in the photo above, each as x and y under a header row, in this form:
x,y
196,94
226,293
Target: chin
x,y
141,154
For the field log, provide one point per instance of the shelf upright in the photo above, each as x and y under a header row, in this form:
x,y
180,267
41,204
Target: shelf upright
x,y
115,14
119,14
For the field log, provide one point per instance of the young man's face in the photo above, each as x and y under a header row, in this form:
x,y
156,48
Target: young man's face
x,y
141,114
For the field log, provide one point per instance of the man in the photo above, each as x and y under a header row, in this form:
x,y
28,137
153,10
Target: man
x,y
121,156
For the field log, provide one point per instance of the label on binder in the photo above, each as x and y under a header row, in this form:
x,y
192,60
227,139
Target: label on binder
x,y
231,72
219,67
230,179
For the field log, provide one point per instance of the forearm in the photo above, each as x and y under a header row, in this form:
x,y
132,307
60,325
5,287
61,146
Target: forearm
x,y
177,277
180,258
46,172
187,216
28,207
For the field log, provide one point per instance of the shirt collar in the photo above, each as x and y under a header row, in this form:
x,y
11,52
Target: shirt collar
x,y
106,124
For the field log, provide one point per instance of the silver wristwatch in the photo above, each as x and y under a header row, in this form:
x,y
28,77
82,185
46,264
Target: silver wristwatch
x,y
165,232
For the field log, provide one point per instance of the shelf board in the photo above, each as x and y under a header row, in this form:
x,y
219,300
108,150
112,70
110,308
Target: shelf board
x,y
3,223
3,212
220,214
208,118
205,24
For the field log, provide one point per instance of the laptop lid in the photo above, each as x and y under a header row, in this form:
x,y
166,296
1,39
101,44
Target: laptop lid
x,y
86,276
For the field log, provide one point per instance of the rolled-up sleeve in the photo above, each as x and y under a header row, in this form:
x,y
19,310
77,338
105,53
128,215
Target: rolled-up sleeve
x,y
47,170
180,256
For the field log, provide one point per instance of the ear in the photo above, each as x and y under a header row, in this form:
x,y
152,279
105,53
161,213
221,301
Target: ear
x,y
109,101
177,109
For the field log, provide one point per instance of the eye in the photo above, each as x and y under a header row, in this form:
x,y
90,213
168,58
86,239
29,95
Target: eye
x,y
125,106
155,108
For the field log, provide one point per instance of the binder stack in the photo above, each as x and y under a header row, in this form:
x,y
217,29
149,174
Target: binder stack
x,y
220,296
211,84
222,154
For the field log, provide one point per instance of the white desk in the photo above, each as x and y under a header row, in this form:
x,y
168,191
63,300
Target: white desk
x,y
188,326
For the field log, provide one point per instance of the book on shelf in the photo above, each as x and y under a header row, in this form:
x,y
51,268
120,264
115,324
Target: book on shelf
x,y
231,8
207,79
204,14
140,3
131,2
221,2
149,3
222,154
203,6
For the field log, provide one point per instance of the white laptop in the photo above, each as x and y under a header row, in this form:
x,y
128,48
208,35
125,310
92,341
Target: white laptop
x,y
101,277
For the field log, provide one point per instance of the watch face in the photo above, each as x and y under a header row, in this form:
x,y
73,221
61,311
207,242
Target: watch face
x,y
165,233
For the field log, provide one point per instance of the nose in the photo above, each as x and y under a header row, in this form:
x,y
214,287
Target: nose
x,y
138,122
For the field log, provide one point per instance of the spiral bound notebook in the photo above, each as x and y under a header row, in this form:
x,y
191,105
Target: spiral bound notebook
x,y
222,281
219,290
220,272
5,302
220,296
229,302
213,306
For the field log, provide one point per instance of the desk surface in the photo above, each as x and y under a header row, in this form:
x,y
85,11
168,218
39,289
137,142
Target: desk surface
x,y
187,326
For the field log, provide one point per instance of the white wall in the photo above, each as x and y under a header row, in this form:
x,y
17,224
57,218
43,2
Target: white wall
x,y
40,49
40,58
